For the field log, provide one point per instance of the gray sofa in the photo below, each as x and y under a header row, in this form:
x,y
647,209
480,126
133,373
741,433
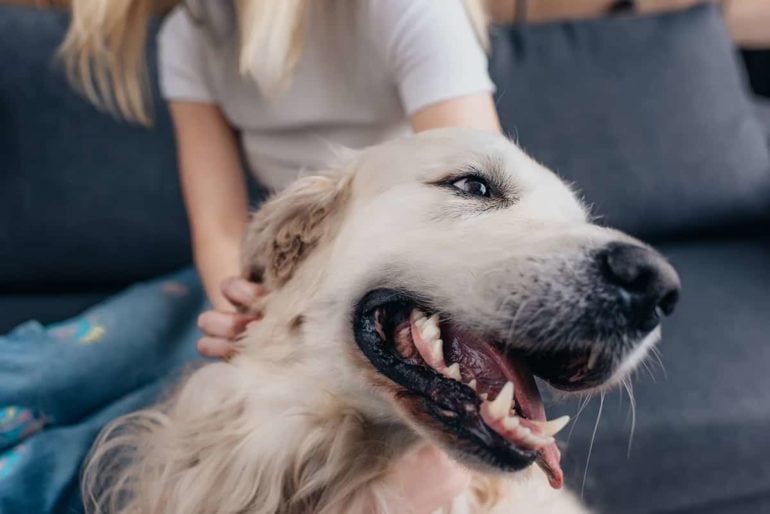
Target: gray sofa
x,y
650,118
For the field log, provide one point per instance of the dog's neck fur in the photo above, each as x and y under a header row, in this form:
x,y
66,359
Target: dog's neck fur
x,y
337,414
289,343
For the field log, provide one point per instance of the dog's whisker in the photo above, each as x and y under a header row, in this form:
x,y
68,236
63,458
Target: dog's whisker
x,y
659,358
629,387
581,407
591,445
650,371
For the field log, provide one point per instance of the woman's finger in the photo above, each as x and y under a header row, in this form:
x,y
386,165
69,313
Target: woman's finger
x,y
216,348
226,325
240,292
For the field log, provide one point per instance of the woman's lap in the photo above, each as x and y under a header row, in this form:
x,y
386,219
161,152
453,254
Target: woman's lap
x,y
63,382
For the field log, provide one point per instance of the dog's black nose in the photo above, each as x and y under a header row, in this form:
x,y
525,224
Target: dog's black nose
x,y
649,285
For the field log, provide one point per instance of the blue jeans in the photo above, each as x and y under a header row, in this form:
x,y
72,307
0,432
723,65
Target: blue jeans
x,y
60,384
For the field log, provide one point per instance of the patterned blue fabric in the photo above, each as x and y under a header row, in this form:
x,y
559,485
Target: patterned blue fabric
x,y
62,383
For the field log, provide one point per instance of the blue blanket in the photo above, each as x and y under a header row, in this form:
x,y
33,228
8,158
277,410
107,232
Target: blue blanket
x,y
62,383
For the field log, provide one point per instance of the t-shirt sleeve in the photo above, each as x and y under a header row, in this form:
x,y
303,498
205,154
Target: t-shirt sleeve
x,y
182,58
431,48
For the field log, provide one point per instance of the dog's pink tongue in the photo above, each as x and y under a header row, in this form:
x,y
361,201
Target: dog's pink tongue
x,y
531,406
549,461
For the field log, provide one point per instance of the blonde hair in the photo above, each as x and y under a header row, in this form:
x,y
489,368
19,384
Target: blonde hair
x,y
104,49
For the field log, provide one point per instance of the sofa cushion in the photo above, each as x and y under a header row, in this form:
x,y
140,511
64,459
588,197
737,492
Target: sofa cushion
x,y
648,116
700,443
83,198
763,113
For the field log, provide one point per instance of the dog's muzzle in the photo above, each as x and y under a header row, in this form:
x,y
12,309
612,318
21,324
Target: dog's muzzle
x,y
475,388
631,288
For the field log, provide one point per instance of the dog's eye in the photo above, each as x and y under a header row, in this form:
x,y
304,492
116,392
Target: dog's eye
x,y
475,186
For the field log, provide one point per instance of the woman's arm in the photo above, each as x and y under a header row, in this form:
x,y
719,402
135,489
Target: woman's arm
x,y
214,192
473,111
217,208
749,22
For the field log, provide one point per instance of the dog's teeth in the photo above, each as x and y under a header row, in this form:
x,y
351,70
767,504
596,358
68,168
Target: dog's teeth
x,y
510,422
472,384
502,405
536,441
429,331
437,350
453,372
484,396
418,319
429,345
552,427
522,431
532,438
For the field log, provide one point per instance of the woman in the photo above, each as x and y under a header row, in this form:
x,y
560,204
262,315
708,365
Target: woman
x,y
278,81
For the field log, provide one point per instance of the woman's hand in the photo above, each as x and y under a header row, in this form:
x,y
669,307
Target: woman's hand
x,y
425,480
220,326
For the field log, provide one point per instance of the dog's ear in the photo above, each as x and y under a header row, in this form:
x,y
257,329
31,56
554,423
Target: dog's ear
x,y
288,226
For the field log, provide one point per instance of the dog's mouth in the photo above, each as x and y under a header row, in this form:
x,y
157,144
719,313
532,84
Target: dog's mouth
x,y
485,401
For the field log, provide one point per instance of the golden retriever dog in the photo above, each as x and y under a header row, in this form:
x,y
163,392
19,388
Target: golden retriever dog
x,y
414,295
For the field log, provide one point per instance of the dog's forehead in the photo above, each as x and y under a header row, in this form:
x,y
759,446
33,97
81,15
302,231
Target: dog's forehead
x,y
438,154
435,153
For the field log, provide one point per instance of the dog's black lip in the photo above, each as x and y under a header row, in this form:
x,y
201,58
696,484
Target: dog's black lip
x,y
433,392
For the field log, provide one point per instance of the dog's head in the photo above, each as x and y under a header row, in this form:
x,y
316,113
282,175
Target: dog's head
x,y
452,269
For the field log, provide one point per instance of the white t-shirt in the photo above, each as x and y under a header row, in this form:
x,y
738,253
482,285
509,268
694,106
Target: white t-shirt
x,y
365,67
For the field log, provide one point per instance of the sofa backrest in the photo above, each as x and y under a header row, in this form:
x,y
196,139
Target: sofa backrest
x,y
650,117
84,198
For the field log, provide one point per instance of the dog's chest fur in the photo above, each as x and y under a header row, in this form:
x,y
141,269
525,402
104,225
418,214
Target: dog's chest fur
x,y
340,437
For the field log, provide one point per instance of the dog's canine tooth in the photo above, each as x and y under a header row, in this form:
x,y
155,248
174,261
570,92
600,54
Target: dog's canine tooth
x,y
501,406
472,384
453,372
532,437
535,441
484,396
552,427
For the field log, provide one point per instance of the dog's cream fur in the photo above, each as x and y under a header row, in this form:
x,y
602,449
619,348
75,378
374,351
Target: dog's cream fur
x,y
299,421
